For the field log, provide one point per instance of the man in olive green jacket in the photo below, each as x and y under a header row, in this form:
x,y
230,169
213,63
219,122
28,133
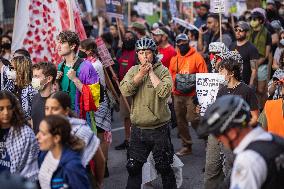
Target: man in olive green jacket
x,y
150,85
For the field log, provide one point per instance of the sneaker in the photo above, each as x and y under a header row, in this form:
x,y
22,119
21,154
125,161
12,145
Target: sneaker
x,y
184,151
122,146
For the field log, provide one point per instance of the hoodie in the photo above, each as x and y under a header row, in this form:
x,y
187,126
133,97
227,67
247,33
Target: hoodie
x,y
191,63
70,173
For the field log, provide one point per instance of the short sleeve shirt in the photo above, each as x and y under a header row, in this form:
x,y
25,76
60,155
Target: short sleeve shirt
x,y
248,52
243,91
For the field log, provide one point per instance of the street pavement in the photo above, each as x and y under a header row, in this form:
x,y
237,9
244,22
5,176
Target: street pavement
x,y
192,170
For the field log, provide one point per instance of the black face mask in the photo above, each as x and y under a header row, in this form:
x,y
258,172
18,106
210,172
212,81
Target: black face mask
x,y
129,44
6,46
82,54
184,48
271,14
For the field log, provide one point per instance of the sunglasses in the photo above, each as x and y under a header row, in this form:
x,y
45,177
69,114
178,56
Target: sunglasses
x,y
239,30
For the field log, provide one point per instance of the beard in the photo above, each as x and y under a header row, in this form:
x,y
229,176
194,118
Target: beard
x,y
241,38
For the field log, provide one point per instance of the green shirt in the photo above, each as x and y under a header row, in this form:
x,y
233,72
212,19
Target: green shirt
x,y
68,86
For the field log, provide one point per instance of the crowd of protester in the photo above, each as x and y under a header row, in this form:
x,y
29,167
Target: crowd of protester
x,y
55,120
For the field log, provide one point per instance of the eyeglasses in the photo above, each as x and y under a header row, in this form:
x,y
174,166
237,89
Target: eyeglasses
x,y
239,30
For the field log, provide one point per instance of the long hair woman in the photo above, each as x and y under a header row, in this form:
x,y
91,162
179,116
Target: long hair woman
x,y
20,73
60,160
59,103
18,145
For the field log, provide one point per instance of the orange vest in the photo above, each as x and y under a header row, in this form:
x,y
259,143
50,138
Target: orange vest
x,y
274,115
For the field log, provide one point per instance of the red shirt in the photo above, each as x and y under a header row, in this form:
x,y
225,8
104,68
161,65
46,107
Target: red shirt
x,y
125,62
167,53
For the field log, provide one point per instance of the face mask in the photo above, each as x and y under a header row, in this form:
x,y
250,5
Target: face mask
x,y
11,74
282,42
82,54
129,44
271,14
254,24
6,46
281,12
36,84
184,48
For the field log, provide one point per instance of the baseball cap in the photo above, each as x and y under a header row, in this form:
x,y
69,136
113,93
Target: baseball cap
x,y
138,26
276,24
243,25
182,37
158,31
258,13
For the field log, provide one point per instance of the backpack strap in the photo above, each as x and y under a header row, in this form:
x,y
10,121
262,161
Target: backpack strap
x,y
75,67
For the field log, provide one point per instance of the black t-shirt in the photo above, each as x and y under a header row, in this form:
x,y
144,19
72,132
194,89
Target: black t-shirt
x,y
38,111
242,90
248,52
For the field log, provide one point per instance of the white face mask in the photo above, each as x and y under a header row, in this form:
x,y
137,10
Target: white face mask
x,y
282,42
36,84
11,74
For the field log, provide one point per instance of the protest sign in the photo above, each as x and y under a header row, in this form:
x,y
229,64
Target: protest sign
x,y
173,8
207,86
217,6
114,8
104,53
145,8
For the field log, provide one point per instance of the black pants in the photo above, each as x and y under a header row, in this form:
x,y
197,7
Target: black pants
x,y
142,142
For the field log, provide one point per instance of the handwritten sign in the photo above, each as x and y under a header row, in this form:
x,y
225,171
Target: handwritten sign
x,y
218,6
207,86
104,53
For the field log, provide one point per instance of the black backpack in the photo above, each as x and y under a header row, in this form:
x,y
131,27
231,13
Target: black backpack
x,y
273,154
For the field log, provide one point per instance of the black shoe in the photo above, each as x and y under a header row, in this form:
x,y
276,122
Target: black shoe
x,y
122,146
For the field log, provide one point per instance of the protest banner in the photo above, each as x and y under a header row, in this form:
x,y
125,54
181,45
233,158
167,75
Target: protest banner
x,y
104,53
37,24
207,86
114,8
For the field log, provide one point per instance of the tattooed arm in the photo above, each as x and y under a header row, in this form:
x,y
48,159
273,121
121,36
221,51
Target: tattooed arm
x,y
253,77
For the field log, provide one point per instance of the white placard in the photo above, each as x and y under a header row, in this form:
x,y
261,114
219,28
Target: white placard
x,y
207,86
145,8
218,6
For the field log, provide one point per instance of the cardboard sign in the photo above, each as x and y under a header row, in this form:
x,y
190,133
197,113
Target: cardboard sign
x,y
114,8
207,86
218,6
104,53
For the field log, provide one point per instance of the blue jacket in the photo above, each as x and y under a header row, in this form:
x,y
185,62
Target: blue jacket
x,y
70,173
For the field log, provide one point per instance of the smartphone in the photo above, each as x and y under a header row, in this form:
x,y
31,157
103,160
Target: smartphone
x,y
204,27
